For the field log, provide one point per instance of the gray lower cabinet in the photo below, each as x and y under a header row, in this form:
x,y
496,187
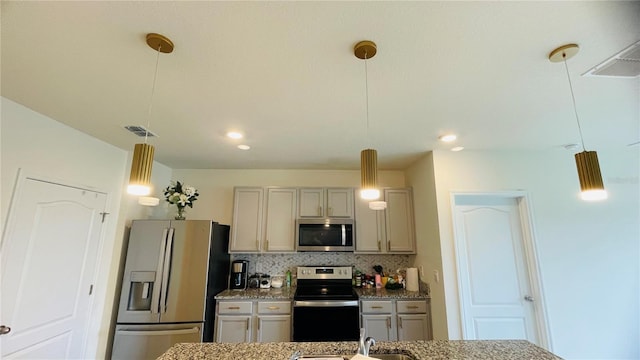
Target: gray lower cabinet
x,y
391,320
253,321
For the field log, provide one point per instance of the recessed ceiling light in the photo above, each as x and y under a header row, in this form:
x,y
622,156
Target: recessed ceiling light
x,y
448,137
234,135
457,148
244,147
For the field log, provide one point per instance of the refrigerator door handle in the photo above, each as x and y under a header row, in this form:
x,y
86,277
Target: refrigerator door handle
x,y
155,296
165,271
158,332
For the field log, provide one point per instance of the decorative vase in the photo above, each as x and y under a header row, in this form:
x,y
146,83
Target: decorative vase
x,y
180,214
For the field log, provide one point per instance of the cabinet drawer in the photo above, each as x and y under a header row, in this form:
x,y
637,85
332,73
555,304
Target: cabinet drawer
x,y
235,307
274,307
376,307
408,307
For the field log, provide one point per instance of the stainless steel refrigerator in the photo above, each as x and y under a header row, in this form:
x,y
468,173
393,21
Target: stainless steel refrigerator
x,y
172,272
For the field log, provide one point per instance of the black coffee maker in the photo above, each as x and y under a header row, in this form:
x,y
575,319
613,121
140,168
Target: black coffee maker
x,y
238,279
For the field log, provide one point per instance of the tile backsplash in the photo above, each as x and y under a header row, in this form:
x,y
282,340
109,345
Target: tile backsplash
x,y
278,264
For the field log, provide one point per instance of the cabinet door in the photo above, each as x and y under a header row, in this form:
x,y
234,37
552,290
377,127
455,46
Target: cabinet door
x,y
370,233
340,203
399,221
281,220
233,329
274,328
412,327
379,327
246,229
311,202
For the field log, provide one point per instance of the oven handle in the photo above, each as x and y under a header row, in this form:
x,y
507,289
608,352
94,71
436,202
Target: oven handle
x,y
325,303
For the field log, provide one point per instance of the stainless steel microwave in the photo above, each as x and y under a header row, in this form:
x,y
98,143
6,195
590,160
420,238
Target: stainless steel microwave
x,y
324,235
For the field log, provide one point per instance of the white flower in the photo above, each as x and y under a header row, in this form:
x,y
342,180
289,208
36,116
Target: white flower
x,y
183,199
189,190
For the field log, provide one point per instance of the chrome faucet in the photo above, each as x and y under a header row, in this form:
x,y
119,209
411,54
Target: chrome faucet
x,y
365,344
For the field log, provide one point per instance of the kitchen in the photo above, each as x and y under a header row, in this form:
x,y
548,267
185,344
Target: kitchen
x,y
569,233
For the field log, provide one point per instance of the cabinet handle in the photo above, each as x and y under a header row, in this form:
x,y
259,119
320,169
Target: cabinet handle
x,y
248,324
412,307
389,245
389,323
379,245
273,307
258,325
400,322
266,245
234,308
319,210
376,307
258,245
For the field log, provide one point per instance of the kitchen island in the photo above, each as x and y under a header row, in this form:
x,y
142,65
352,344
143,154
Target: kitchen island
x,y
419,350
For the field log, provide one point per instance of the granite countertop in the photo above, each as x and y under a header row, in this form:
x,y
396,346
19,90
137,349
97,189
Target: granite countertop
x,y
420,350
283,293
287,294
368,294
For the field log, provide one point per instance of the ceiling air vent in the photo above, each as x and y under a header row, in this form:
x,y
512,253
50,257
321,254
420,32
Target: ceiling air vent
x,y
140,131
626,63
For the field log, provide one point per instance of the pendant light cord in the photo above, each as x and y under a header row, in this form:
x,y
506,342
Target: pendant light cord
x,y
573,98
366,86
153,89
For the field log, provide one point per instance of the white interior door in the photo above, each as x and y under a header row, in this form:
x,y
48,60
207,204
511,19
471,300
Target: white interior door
x,y
493,269
48,255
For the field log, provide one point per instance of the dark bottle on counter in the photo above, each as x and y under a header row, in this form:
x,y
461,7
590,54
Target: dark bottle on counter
x,y
358,278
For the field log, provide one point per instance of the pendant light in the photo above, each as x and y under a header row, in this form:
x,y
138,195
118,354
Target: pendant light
x,y
142,161
369,157
591,185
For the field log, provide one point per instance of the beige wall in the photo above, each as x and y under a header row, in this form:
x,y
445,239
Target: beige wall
x,y
44,148
587,251
420,176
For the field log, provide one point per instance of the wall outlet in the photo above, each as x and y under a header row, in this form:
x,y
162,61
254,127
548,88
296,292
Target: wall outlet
x,y
436,276
422,271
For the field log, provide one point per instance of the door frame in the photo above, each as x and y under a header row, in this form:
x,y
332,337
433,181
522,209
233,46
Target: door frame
x,y
100,281
530,255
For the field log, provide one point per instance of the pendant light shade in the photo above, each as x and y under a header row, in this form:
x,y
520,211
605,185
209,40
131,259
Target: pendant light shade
x,y
141,166
142,161
369,174
590,177
591,185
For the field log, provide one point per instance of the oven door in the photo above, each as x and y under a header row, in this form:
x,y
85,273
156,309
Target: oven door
x,y
326,320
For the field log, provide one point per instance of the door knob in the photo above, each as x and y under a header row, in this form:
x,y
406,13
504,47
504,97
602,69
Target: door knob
x,y
4,330
529,298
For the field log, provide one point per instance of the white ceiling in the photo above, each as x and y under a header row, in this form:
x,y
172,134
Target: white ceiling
x,y
284,73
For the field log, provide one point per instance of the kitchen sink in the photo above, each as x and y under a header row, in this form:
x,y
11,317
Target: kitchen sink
x,y
391,356
347,357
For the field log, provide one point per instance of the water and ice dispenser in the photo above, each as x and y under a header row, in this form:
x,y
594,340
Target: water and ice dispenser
x,y
141,290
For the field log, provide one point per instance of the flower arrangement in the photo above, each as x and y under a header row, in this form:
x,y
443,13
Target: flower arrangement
x,y
181,195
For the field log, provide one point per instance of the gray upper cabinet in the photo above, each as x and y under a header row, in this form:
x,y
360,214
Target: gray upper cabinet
x,y
325,202
264,218
246,228
389,231
263,223
400,221
371,235
281,219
